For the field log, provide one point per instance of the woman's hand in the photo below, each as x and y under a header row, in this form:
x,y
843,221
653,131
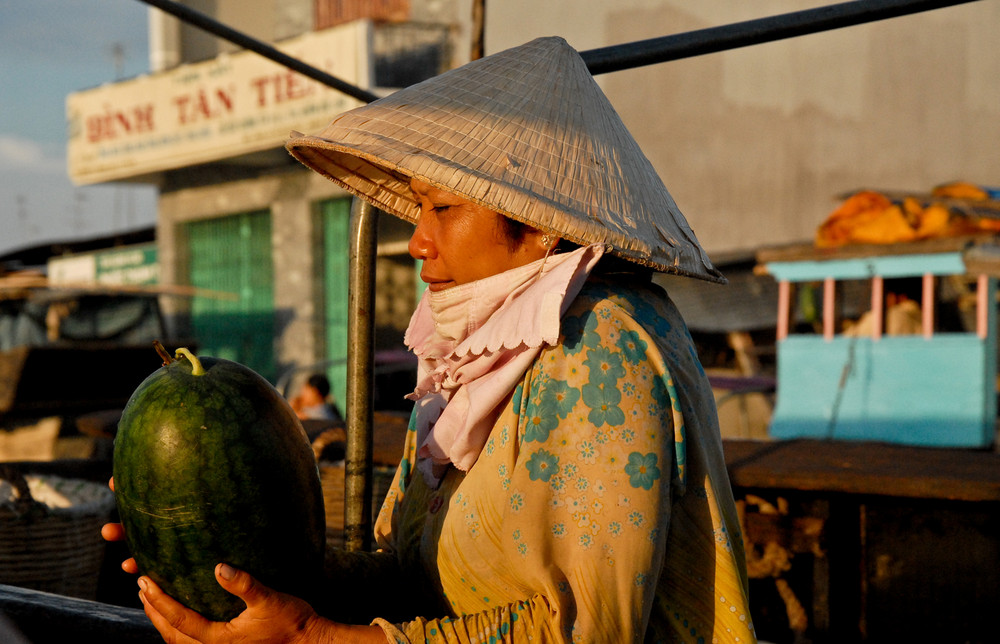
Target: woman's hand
x,y
115,532
270,616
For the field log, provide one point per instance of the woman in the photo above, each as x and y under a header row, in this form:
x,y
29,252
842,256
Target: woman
x,y
562,479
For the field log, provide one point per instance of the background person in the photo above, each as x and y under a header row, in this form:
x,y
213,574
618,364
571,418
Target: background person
x,y
313,401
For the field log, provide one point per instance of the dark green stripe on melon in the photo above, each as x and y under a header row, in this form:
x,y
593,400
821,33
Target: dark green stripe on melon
x,y
216,468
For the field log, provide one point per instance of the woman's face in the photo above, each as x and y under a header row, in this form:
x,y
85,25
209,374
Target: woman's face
x,y
460,241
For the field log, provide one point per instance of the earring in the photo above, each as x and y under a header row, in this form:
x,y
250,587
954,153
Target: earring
x,y
548,242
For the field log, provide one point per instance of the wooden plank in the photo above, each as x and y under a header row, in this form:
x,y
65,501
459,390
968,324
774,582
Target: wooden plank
x,y
808,252
44,617
865,468
11,365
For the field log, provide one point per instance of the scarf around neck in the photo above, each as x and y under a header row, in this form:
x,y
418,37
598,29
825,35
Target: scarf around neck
x,y
474,342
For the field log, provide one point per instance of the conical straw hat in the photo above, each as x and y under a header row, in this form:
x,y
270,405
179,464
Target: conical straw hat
x,y
526,132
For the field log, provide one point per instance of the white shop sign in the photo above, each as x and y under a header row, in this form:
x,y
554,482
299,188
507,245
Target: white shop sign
x,y
127,265
235,104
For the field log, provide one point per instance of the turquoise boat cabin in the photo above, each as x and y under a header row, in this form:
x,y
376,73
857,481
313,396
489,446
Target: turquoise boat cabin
x,y
918,367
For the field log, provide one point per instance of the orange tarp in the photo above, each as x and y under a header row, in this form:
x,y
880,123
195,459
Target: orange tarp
x,y
869,217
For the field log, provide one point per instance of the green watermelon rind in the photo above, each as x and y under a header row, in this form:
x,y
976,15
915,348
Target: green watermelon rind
x,y
216,468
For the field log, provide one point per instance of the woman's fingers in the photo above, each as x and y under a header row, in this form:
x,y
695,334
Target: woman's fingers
x,y
175,623
113,532
241,584
270,616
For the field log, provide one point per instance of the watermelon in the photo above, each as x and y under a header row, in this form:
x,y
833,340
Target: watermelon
x,y
211,465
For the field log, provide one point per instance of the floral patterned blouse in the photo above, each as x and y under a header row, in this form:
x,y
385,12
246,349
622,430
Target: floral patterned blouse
x,y
598,511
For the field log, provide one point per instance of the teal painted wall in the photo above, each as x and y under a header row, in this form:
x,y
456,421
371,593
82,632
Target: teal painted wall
x,y
335,215
900,389
937,391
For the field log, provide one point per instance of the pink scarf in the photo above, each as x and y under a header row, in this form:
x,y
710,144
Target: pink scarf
x,y
474,342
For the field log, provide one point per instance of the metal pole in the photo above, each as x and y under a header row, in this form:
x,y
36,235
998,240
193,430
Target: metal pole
x,y
478,48
360,394
752,32
226,32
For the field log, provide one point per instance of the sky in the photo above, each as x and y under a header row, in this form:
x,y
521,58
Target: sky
x,y
48,49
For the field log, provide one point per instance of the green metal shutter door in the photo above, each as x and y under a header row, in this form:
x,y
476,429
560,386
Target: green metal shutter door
x,y
233,254
336,218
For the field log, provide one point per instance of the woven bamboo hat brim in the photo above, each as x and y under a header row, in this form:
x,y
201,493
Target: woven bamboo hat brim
x,y
526,132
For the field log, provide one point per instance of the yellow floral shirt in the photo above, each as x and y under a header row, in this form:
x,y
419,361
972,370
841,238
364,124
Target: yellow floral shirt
x,y
598,511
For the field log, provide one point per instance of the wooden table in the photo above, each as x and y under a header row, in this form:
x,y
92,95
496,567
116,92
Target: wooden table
x,y
874,469
886,542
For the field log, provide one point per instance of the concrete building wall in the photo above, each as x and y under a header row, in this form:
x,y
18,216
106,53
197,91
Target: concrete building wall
x,y
268,20
290,197
756,144
456,13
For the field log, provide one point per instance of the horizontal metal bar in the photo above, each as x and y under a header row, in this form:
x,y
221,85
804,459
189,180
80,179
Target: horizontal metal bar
x,y
225,32
752,32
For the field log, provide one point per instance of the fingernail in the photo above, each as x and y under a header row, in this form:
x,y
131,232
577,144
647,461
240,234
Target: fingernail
x,y
226,571
143,584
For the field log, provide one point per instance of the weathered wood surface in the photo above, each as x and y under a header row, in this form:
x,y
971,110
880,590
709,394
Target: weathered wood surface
x,y
798,252
41,618
865,468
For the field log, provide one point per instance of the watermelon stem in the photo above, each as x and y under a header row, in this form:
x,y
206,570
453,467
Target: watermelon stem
x,y
162,353
196,368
